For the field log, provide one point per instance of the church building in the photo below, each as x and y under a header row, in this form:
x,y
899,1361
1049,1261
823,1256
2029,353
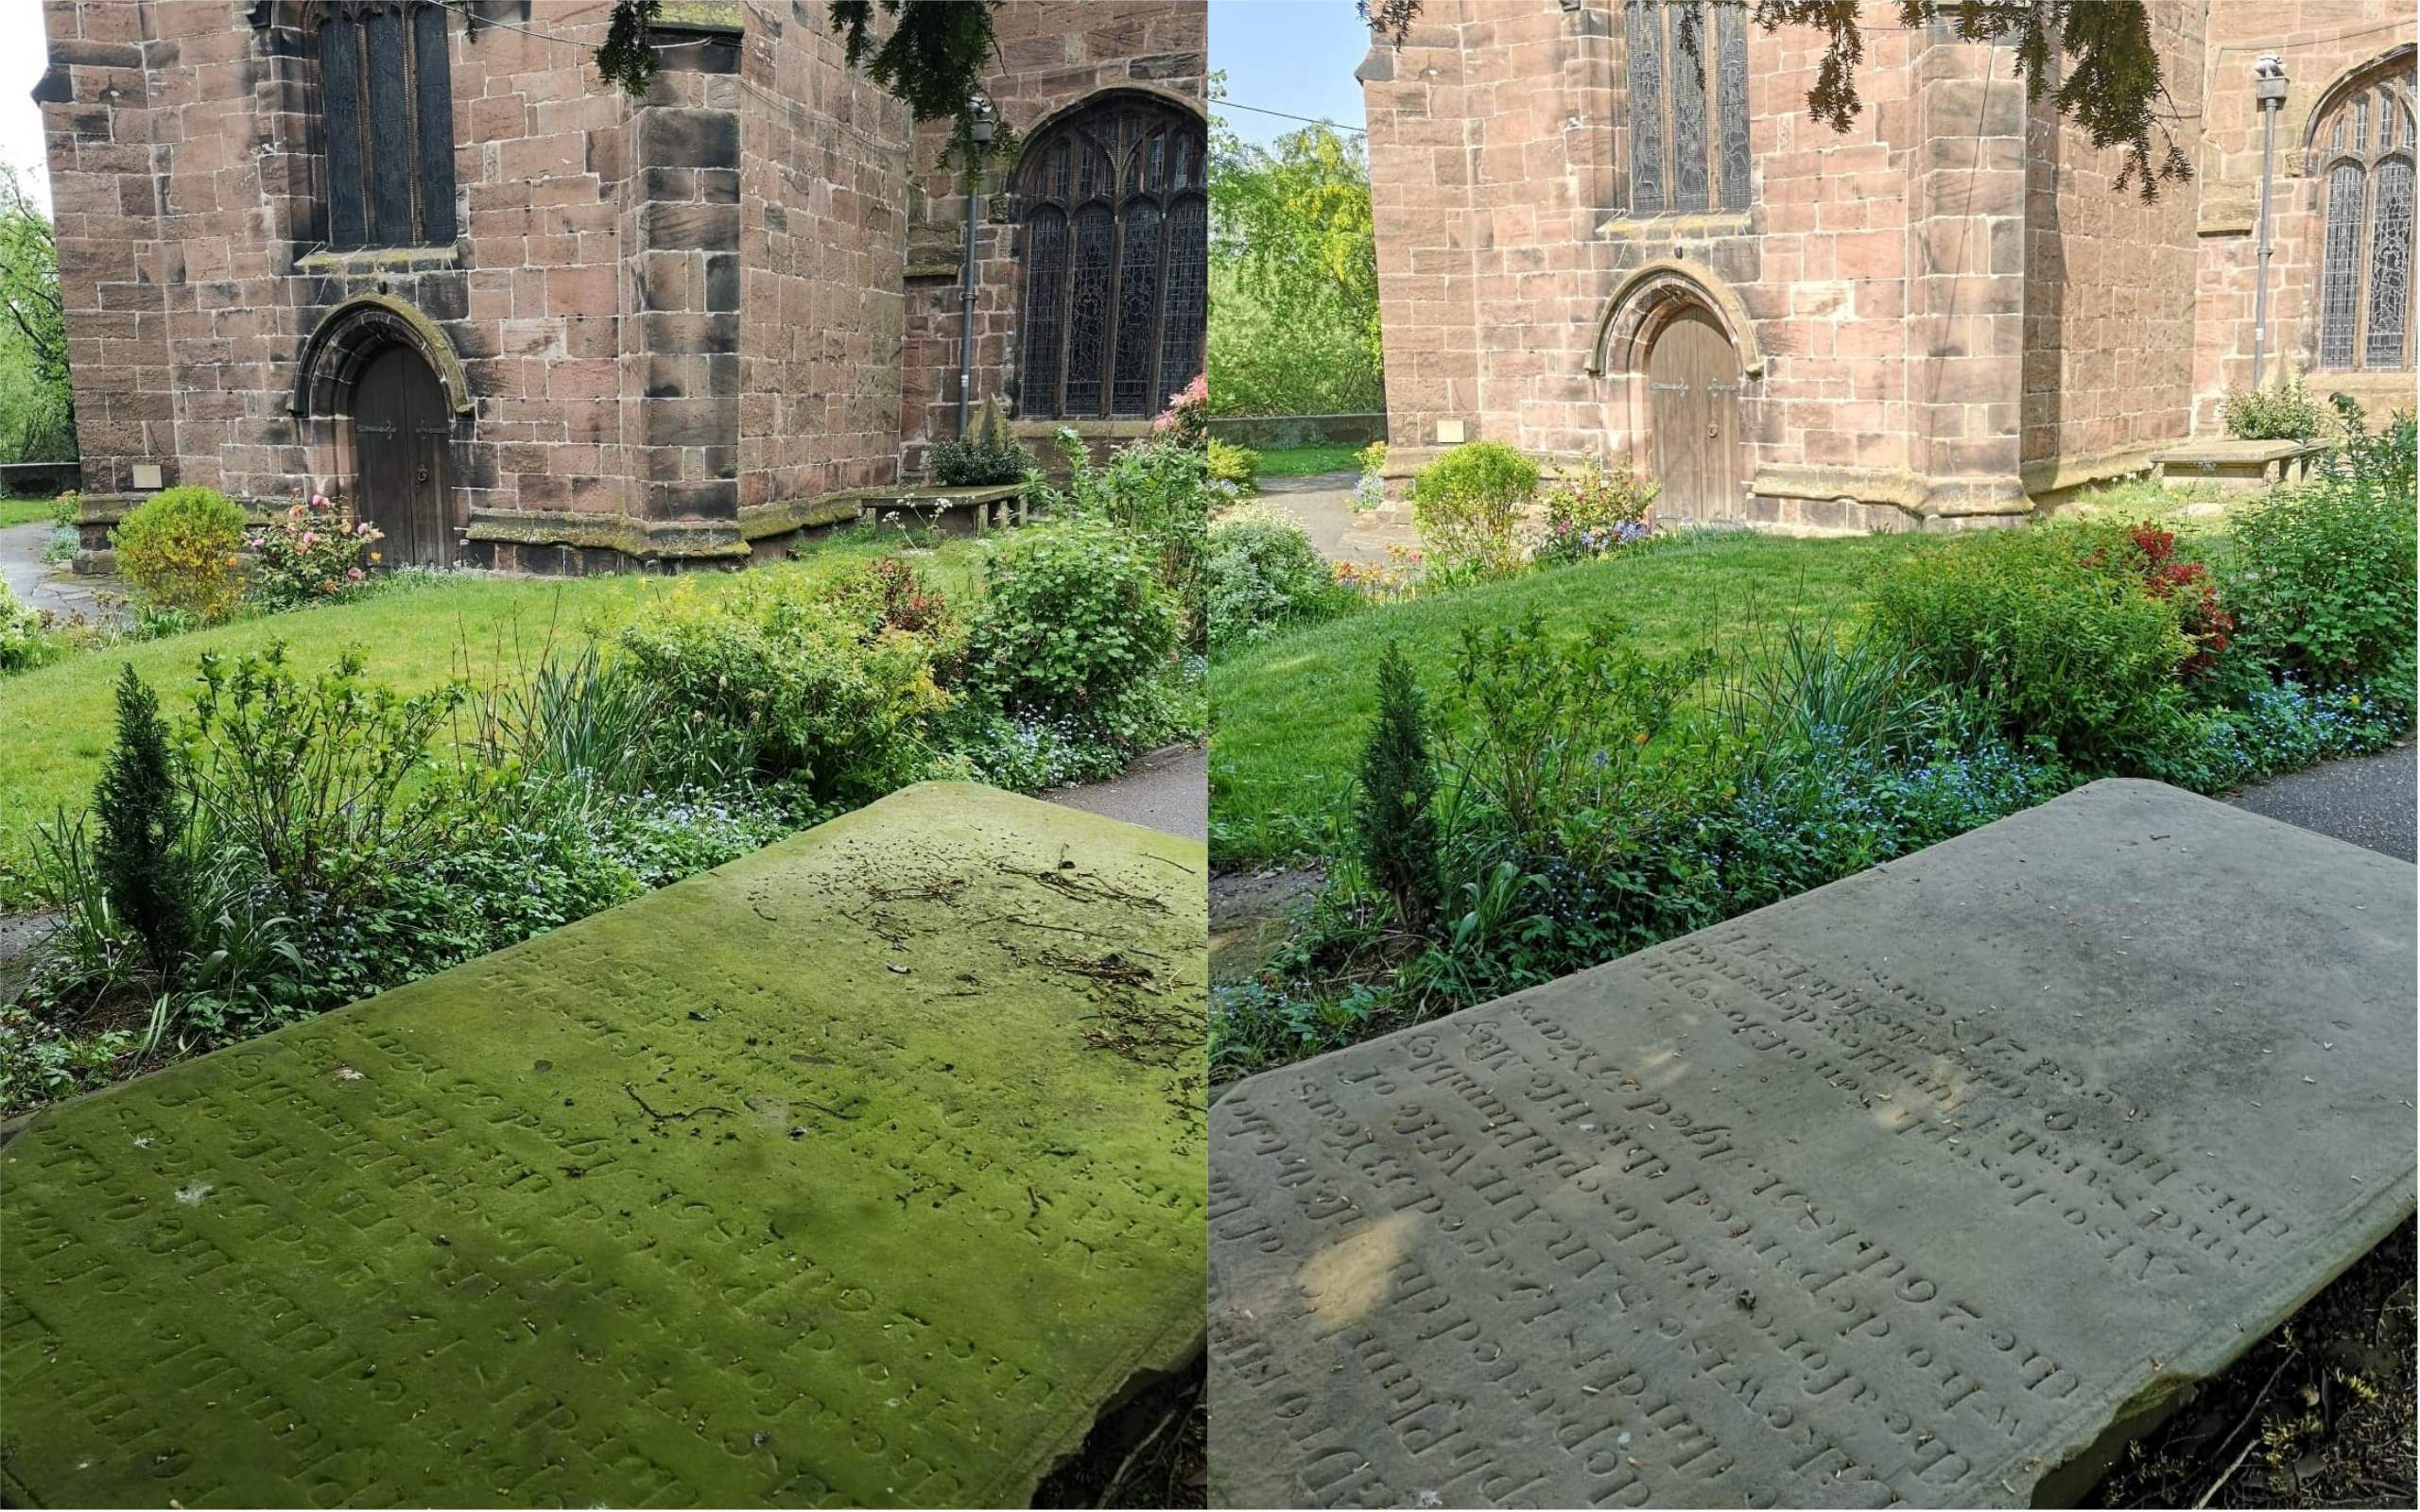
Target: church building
x,y
1609,228
420,256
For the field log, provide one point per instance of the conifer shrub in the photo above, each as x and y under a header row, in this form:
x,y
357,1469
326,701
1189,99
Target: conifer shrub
x,y
145,868
1395,821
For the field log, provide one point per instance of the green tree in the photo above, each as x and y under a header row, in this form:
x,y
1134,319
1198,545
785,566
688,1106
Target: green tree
x,y
1294,274
37,407
145,867
1396,818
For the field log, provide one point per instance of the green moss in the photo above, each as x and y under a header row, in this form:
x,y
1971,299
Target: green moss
x,y
863,1171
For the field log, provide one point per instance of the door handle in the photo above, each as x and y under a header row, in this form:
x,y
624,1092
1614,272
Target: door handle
x,y
424,471
1711,433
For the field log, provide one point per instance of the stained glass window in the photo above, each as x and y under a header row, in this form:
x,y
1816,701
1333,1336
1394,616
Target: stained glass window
x,y
2390,264
1644,32
386,120
1116,263
2365,175
1687,104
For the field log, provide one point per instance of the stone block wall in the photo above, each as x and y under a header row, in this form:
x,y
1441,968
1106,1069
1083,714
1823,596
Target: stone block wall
x,y
184,166
2323,41
823,241
2109,287
1498,148
1053,53
1941,310
673,319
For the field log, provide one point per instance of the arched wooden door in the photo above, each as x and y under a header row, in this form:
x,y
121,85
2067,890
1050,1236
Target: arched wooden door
x,y
1693,419
400,427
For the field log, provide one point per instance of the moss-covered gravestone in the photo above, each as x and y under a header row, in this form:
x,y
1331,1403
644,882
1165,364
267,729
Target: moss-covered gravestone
x,y
866,1170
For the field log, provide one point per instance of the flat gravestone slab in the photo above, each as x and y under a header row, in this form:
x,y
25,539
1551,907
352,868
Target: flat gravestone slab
x,y
1903,1190
866,1170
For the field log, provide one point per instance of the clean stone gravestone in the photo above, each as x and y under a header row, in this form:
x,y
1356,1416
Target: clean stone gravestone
x,y
1904,1190
865,1170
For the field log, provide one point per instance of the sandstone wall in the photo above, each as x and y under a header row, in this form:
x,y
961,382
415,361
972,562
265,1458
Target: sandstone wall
x,y
1053,53
184,171
2321,41
2109,286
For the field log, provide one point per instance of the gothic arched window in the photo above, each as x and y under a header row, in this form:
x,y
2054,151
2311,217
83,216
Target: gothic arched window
x,y
387,118
1117,259
2361,152
1688,67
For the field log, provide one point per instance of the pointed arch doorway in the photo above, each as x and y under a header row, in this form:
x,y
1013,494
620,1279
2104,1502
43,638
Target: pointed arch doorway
x,y
1693,379
401,426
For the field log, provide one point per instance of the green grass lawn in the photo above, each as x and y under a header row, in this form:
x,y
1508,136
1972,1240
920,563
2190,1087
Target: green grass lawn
x,y
25,511
1307,461
1288,713
57,721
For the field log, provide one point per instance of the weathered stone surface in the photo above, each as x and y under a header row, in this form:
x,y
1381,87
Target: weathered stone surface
x,y
1901,1190
863,1171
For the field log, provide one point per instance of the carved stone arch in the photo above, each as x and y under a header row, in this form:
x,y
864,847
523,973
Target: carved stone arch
x,y
2393,63
355,331
1049,120
1111,199
1649,296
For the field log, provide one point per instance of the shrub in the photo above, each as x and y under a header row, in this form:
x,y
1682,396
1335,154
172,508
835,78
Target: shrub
x,y
890,593
2285,413
1186,421
2322,580
1072,620
321,781
1557,739
1263,572
140,855
1156,492
2053,627
1395,820
1592,511
1238,465
1467,505
979,461
25,641
781,668
178,549
311,554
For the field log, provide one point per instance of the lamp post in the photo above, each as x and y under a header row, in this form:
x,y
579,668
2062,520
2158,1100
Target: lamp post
x,y
2269,88
978,131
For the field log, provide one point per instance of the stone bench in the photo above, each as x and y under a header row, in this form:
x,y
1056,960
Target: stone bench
x,y
2233,464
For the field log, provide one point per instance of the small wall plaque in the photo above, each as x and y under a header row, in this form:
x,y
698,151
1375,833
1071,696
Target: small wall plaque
x,y
1449,432
146,474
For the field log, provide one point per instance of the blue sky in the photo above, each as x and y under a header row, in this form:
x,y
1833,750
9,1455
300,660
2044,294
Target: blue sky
x,y
1296,56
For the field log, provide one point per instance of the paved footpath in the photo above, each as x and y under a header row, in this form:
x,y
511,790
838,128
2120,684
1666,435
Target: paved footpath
x,y
1339,532
37,583
2365,800
1167,790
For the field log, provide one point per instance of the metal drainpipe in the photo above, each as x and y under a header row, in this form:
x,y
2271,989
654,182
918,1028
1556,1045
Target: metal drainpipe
x,y
2271,90
981,133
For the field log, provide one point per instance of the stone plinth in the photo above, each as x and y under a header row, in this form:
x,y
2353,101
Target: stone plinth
x,y
863,1171
1917,1188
